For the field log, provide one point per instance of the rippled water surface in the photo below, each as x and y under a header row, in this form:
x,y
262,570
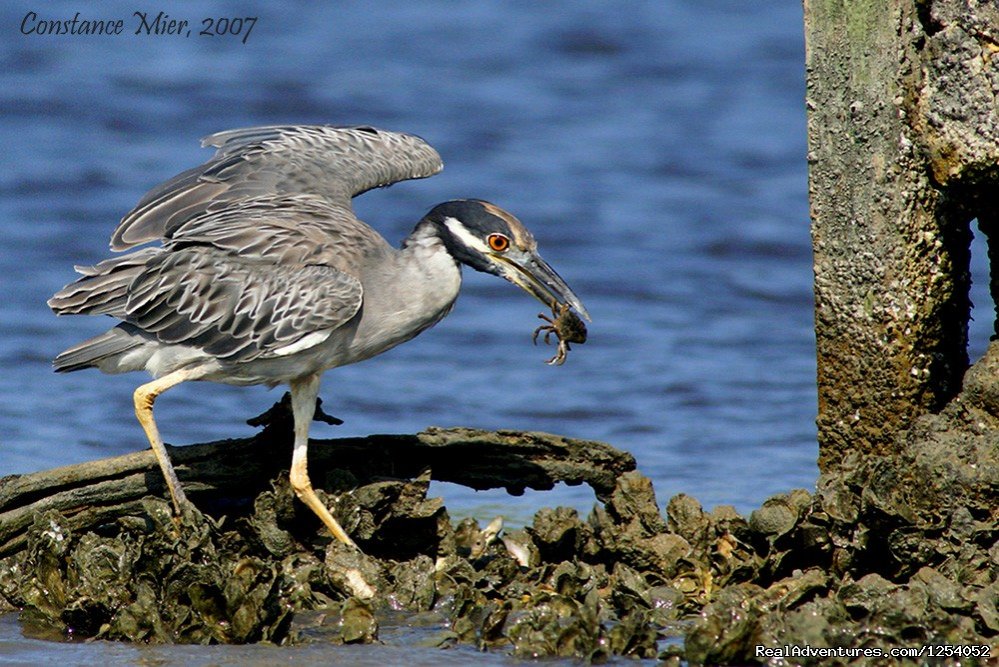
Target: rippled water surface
x,y
656,149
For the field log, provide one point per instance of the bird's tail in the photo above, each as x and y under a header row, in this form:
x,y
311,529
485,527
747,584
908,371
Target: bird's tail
x,y
91,352
102,289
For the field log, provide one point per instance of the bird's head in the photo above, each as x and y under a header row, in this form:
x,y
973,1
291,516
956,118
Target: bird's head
x,y
488,239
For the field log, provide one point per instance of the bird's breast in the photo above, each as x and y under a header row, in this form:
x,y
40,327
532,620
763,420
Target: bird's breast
x,y
404,295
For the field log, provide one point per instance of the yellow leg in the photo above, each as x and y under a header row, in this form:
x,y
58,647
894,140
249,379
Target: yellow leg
x,y
144,398
303,405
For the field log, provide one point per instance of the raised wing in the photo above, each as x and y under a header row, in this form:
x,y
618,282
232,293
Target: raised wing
x,y
290,229
332,163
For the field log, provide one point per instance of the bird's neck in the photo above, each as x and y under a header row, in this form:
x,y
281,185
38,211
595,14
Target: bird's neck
x,y
433,272
428,235
407,293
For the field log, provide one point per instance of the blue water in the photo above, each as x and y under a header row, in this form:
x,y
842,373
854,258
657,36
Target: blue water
x,y
656,150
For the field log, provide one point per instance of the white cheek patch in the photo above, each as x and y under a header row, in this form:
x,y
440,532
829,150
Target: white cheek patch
x,y
468,238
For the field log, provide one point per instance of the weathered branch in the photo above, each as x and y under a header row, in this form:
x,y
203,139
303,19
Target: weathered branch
x,y
227,475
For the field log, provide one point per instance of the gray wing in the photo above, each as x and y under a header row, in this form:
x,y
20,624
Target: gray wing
x,y
291,229
333,163
254,279
238,310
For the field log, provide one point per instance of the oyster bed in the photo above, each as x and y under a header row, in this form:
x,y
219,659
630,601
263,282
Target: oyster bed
x,y
890,552
837,568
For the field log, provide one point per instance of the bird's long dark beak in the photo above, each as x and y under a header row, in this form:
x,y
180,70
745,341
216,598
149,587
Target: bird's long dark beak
x,y
536,277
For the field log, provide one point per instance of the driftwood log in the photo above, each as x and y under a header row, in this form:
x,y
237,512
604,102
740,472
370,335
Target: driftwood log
x,y
223,477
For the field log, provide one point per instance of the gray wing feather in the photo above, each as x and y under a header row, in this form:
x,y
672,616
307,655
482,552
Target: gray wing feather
x,y
231,308
289,229
333,163
91,351
240,282
103,288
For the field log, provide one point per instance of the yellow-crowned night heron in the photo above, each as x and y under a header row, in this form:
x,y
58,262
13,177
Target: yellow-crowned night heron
x,y
265,276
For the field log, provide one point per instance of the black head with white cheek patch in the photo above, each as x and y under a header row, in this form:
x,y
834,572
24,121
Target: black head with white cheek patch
x,y
474,231
489,239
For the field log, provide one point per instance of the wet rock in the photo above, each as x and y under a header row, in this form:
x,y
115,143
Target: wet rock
x,y
357,623
634,635
412,584
558,533
801,587
980,389
352,573
863,597
987,607
272,509
820,569
573,579
777,517
349,622
687,519
631,591
559,626
664,554
730,626
837,497
910,549
665,605
633,504
396,518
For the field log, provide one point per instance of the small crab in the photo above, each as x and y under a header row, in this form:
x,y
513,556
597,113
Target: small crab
x,y
566,327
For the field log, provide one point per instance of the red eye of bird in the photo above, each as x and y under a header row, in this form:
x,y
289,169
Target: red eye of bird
x,y
498,242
